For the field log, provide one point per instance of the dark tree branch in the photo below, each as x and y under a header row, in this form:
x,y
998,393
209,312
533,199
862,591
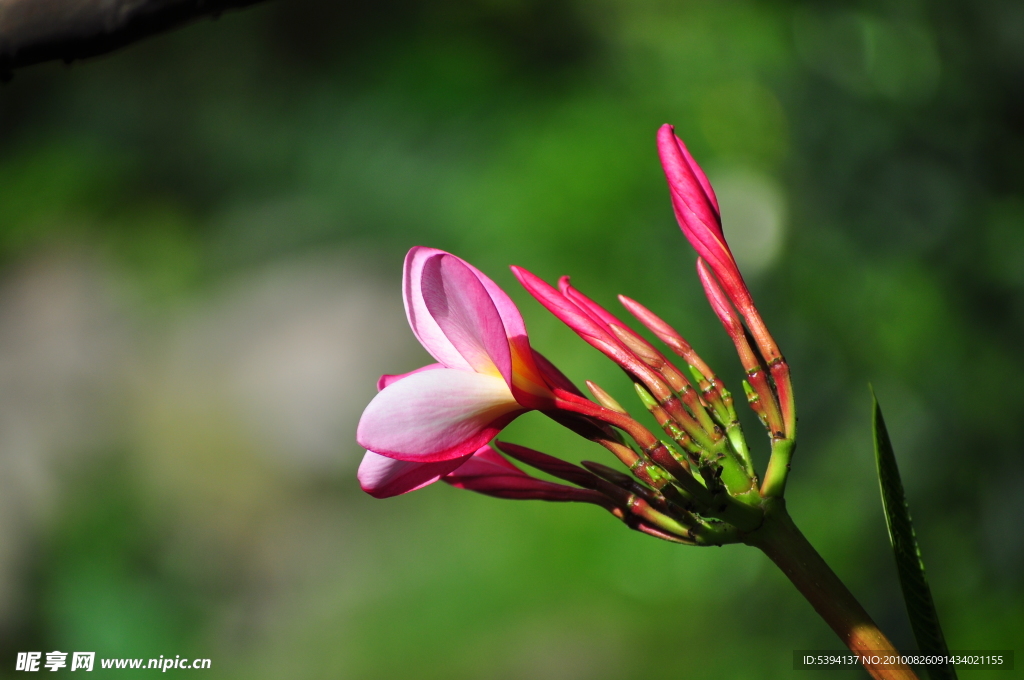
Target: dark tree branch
x,y
33,31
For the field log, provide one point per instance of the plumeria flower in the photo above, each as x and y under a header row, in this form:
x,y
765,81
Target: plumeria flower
x,y
424,424
698,487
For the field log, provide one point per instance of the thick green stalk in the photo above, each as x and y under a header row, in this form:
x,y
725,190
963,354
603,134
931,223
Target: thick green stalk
x,y
781,540
774,484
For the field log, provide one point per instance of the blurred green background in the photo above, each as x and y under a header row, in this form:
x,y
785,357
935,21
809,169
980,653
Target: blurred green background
x,y
201,240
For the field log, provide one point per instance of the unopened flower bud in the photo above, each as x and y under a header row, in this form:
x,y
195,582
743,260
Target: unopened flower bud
x,y
644,351
605,399
489,473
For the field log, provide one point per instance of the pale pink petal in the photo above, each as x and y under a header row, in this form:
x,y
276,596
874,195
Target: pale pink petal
x,y
387,379
515,327
423,325
462,308
436,415
527,381
383,477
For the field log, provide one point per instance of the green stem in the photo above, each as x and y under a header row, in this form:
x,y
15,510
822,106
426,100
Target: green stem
x,y
774,484
781,540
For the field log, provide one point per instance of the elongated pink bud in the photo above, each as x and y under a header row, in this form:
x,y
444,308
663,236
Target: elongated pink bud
x,y
604,399
489,473
598,312
599,433
593,332
641,348
696,210
573,404
667,335
587,320
682,170
734,327
564,309
724,311
688,183
627,337
694,202
551,465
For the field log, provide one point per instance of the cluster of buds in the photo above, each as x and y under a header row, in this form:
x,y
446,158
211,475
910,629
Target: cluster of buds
x,y
695,483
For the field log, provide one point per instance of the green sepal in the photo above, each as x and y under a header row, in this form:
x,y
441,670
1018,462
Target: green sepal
x,y
924,620
646,397
749,391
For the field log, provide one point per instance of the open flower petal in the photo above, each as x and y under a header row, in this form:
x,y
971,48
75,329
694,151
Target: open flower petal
x,y
383,477
423,325
436,415
527,384
388,378
463,310
511,319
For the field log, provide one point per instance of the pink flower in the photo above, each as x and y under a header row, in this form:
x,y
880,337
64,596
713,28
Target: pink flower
x,y
384,477
424,424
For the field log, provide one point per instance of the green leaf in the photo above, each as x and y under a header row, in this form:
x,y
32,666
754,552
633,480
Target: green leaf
x,y
916,593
